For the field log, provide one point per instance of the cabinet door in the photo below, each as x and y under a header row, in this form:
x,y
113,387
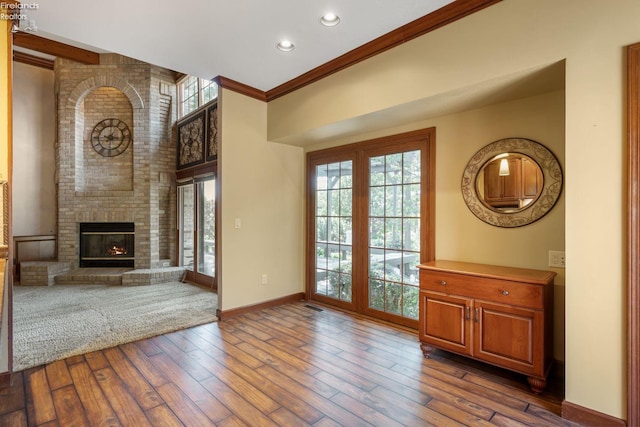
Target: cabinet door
x,y
509,337
502,190
444,321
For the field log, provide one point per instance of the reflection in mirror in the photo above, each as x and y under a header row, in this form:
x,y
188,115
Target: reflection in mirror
x,y
509,182
512,182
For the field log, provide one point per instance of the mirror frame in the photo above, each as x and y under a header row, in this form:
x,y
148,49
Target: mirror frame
x,y
551,187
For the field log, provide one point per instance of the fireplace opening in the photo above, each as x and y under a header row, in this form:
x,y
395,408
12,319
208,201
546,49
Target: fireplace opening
x,y
107,244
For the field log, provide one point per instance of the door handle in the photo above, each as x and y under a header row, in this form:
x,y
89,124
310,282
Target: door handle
x,y
477,315
467,313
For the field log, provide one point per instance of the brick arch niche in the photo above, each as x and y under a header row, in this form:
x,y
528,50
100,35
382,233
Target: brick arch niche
x,y
95,172
137,186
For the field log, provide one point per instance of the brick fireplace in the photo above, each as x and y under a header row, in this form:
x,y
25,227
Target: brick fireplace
x,y
136,186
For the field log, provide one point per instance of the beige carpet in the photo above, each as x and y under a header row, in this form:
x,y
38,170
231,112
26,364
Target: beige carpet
x,y
55,322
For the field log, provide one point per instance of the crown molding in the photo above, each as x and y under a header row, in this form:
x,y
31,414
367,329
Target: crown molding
x,y
241,88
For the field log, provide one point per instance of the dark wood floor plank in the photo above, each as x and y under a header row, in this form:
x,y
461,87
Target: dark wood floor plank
x,y
124,404
284,397
97,407
453,412
179,339
144,365
273,353
271,331
69,408
502,421
365,412
187,412
248,391
287,365
39,401
314,399
237,404
140,389
303,377
460,384
191,388
14,419
284,417
550,417
163,416
74,360
228,348
148,347
186,363
96,360
58,374
350,394
12,396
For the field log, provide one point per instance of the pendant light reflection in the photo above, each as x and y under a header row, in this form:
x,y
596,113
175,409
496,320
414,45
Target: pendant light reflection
x,y
504,167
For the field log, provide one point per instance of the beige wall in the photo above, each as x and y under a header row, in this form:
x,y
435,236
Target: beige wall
x,y
34,208
263,186
507,38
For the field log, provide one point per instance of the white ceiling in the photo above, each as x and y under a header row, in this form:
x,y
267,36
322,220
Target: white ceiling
x,y
231,38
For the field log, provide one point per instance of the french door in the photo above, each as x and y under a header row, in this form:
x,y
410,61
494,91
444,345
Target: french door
x,y
196,228
370,223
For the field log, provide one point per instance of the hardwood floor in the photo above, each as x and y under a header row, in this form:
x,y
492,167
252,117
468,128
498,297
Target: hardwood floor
x,y
292,365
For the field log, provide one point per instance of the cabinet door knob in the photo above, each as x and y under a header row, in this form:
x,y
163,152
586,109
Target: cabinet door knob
x,y
443,282
505,292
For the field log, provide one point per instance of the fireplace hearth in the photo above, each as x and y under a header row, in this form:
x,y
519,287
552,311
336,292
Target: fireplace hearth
x,y
107,244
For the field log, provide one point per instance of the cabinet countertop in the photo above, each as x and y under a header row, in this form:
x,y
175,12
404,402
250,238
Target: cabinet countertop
x,y
540,277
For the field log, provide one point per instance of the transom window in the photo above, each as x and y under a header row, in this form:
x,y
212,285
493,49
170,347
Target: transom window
x,y
194,92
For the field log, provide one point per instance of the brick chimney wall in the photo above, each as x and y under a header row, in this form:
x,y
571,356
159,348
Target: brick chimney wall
x,y
136,186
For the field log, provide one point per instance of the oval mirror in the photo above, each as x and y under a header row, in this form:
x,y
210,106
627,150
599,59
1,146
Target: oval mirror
x,y
512,182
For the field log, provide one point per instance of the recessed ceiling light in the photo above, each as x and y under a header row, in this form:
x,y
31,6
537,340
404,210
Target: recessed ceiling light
x,y
285,46
330,20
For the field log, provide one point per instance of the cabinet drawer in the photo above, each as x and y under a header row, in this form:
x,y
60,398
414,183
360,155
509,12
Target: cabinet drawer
x,y
500,291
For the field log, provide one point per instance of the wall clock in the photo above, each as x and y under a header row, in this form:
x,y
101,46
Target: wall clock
x,y
110,137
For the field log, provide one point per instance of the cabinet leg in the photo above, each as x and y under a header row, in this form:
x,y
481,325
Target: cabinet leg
x,y
426,349
537,384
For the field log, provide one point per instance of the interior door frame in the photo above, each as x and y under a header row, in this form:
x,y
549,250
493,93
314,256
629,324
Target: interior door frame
x,y
633,231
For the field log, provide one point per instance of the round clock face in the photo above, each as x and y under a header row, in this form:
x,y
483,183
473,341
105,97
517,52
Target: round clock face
x,y
110,137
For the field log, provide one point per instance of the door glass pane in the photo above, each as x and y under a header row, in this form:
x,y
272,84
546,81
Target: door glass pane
x,y
206,226
334,224
394,233
186,223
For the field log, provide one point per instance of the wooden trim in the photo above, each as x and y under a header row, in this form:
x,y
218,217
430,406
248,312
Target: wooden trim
x,y
50,47
240,88
359,152
633,231
36,61
299,296
439,18
588,417
6,379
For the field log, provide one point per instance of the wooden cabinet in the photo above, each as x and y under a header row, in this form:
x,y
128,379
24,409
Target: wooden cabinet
x,y
516,190
499,315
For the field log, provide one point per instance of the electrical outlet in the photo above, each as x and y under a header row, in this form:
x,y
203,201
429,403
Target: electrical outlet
x,y
556,259
263,280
